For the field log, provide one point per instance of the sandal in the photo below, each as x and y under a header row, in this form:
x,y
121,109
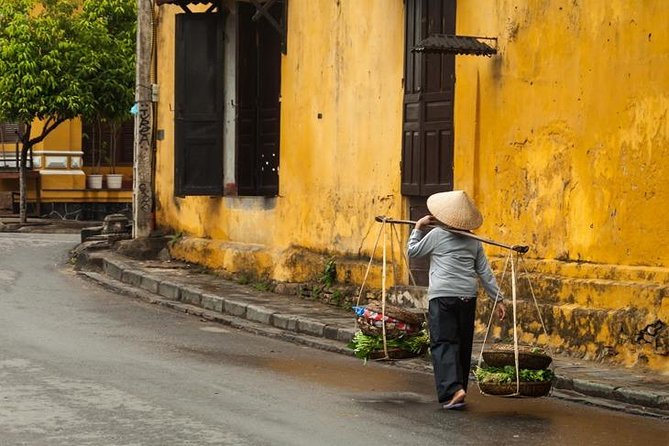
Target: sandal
x,y
457,402
451,406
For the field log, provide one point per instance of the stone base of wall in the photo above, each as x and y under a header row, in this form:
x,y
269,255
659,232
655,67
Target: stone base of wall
x,y
70,211
81,211
602,335
600,312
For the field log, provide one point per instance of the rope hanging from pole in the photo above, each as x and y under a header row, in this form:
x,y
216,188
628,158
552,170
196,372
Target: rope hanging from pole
x,y
513,260
514,250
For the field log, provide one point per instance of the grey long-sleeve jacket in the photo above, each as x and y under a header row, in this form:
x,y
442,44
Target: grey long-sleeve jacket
x,y
456,264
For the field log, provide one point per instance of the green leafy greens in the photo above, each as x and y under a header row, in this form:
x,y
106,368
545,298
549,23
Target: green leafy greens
x,y
363,345
507,374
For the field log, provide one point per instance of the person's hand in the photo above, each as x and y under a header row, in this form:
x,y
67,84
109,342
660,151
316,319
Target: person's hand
x,y
501,310
425,221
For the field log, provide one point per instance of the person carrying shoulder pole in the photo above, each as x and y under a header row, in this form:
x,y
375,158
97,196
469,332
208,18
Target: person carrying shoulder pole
x,y
457,263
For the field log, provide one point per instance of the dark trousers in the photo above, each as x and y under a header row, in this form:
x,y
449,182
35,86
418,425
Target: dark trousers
x,y
451,322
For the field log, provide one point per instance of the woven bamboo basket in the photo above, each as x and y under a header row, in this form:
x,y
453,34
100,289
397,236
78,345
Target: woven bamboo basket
x,y
401,314
393,353
372,330
500,355
527,388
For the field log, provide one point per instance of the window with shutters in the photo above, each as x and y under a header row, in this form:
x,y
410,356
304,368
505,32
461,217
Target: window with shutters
x,y
258,39
427,146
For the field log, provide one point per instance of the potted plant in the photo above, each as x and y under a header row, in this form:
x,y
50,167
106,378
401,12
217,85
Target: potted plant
x,y
94,178
113,179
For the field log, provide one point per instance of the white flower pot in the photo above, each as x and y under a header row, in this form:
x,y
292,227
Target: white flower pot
x,y
114,180
94,181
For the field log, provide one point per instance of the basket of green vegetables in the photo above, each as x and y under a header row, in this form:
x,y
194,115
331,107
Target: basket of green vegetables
x,y
502,381
368,346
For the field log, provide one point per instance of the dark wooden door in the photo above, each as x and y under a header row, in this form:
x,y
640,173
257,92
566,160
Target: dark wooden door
x,y
427,147
258,103
198,108
427,155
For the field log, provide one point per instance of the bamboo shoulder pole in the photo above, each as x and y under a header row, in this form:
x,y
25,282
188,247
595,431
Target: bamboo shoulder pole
x,y
518,248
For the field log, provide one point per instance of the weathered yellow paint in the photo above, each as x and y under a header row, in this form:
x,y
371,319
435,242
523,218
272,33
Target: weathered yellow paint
x,y
67,136
572,128
63,182
88,196
337,171
561,138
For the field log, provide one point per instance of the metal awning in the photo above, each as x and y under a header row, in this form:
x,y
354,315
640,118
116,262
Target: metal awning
x,y
448,44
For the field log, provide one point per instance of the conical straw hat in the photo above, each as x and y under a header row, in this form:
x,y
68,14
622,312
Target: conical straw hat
x,y
455,209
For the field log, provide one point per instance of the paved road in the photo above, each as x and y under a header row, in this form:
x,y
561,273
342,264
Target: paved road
x,y
82,366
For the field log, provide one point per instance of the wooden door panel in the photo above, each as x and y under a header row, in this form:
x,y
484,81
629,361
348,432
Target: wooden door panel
x,y
427,143
428,102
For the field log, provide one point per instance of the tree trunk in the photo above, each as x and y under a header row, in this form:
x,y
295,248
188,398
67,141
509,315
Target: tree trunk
x,y
23,180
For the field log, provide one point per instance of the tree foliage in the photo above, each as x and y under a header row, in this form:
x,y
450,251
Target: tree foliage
x,y
60,59
111,34
111,37
43,62
66,58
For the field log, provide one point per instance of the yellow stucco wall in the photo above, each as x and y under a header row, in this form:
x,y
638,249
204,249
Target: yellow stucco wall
x,y
56,147
561,139
564,135
337,172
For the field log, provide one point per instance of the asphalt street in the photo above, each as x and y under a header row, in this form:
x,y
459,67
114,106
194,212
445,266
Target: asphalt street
x,y
80,365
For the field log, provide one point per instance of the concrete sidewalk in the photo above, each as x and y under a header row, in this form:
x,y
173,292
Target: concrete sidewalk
x,y
184,288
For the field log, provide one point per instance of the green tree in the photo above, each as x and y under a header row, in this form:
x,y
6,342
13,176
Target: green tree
x,y
111,34
60,59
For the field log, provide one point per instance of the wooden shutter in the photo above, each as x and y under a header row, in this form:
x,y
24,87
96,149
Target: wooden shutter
x,y
411,144
198,112
427,146
269,112
258,106
247,80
